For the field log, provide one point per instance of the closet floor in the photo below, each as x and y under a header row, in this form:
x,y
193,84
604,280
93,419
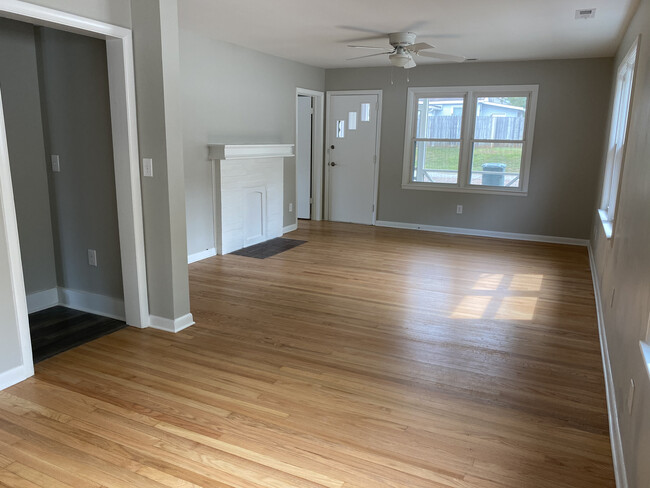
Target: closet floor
x,y
58,329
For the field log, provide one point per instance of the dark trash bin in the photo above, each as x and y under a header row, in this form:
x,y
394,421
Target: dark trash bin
x,y
491,179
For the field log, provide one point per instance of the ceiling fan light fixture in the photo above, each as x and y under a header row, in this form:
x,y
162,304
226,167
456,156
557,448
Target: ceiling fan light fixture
x,y
399,59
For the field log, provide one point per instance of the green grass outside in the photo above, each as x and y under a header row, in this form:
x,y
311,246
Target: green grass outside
x,y
438,157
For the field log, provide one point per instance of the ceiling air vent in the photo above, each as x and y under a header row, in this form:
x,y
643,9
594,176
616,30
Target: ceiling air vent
x,y
586,13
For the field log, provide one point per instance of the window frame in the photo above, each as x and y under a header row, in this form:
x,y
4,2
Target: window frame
x,y
470,95
613,175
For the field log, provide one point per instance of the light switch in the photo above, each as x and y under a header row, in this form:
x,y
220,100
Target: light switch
x,y
56,165
92,257
147,167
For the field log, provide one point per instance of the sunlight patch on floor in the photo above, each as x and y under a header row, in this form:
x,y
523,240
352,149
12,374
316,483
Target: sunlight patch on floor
x,y
501,297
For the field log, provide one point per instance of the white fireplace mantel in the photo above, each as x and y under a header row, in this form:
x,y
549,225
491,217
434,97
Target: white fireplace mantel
x,y
225,152
248,193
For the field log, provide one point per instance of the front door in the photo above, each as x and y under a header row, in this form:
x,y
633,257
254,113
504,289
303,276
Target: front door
x,y
352,163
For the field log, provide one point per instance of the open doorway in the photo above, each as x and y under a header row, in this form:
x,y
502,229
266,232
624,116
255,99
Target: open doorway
x,y
58,128
309,154
16,360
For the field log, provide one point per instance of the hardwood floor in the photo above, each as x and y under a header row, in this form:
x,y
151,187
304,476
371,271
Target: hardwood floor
x,y
366,357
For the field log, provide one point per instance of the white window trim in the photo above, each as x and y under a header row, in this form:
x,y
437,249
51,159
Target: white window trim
x,y
469,94
612,178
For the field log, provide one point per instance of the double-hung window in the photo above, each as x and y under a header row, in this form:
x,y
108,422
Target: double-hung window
x,y
617,139
470,139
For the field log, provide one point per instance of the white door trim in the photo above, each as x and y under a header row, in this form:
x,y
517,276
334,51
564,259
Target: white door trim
x,y
317,150
18,296
121,77
379,94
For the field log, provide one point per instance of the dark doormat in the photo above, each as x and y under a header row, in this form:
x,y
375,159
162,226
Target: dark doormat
x,y
270,248
58,329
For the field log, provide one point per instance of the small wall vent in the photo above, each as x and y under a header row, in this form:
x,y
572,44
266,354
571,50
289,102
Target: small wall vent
x,y
586,13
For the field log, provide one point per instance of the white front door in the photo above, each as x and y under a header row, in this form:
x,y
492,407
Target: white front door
x,y
303,157
352,164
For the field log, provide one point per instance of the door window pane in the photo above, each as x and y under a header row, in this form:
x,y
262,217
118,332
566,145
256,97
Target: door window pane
x,y
436,162
352,120
496,164
500,118
365,112
340,129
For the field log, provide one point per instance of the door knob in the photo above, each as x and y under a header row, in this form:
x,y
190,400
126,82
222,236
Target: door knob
x,y
332,163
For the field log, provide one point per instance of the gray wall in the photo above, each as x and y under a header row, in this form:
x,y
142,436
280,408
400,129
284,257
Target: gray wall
x,y
234,95
157,73
77,127
571,115
117,12
20,93
623,264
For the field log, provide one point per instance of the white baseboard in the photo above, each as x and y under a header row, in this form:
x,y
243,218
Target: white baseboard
x,y
169,325
42,299
15,375
484,233
92,303
290,228
200,256
612,409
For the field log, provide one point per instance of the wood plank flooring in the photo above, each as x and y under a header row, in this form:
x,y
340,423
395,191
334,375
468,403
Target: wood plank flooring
x,y
366,357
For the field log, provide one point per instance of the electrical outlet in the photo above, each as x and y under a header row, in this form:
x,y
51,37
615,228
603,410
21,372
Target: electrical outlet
x,y
291,207
56,164
459,209
630,397
147,167
92,257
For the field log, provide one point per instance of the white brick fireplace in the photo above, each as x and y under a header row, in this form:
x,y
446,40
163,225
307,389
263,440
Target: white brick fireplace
x,y
247,193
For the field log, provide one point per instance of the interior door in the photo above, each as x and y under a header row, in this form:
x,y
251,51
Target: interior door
x,y
303,158
352,144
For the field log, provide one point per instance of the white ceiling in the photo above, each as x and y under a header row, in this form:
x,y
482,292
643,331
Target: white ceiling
x,y
317,32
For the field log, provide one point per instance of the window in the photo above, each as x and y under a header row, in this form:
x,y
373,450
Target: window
x,y
469,139
617,140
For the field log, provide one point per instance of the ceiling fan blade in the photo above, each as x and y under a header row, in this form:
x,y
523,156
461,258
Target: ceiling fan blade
x,y
410,64
420,46
443,56
366,47
370,55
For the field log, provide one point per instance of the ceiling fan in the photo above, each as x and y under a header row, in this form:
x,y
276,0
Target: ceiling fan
x,y
404,50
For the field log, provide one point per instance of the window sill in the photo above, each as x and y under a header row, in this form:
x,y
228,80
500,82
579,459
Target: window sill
x,y
458,189
608,225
